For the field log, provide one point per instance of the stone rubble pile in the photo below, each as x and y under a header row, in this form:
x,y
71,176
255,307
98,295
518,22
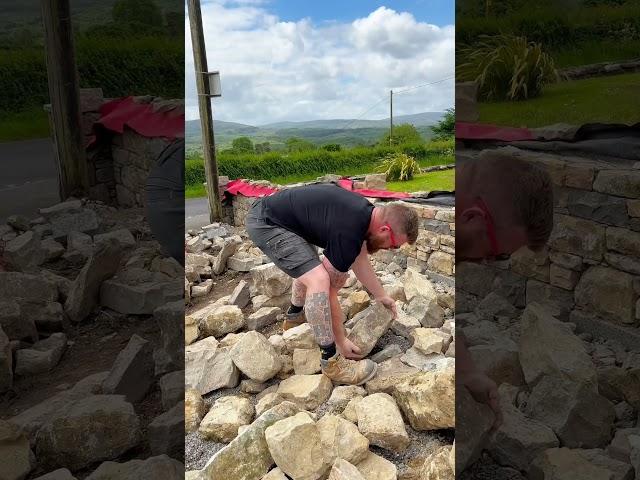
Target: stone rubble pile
x,y
80,259
570,402
257,406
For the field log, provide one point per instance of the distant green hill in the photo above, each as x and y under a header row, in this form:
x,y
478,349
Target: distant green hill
x,y
346,132
26,14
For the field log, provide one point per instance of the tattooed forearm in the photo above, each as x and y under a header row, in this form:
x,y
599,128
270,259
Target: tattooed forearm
x,y
337,278
298,292
318,313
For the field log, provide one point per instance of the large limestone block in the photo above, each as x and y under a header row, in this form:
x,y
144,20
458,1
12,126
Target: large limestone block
x,y
565,464
370,325
42,356
225,417
342,394
209,367
219,320
341,439
102,265
473,423
308,391
256,357
132,372
549,347
105,425
519,439
269,280
428,340
390,373
299,337
437,466
375,467
247,457
380,420
191,329
32,419
343,470
165,432
428,399
152,468
501,362
607,292
296,448
306,361
194,410
580,417
18,459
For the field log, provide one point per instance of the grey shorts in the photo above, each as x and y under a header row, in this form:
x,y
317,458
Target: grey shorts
x,y
287,250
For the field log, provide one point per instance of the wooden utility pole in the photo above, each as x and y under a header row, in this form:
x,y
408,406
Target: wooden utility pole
x,y
206,116
391,117
64,91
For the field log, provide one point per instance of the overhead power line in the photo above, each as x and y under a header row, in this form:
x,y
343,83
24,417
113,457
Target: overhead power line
x,y
395,92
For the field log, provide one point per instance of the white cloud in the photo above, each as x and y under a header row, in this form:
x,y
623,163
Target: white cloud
x,y
272,70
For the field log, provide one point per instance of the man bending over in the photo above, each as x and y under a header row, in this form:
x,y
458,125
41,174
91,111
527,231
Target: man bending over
x,y
288,225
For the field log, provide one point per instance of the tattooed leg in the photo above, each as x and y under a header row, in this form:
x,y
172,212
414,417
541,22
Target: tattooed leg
x,y
318,313
298,292
337,279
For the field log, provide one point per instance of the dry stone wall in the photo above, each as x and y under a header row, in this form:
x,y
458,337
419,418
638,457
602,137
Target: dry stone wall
x,y
590,269
433,252
119,163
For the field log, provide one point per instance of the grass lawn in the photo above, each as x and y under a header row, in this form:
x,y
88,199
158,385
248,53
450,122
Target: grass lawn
x,y
32,123
442,180
592,51
426,182
611,99
194,191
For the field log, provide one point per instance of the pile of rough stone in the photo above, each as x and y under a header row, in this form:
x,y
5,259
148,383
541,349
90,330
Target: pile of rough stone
x,y
570,403
211,251
78,260
258,407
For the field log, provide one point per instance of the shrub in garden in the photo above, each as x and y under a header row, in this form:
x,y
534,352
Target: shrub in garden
x,y
272,165
507,67
399,166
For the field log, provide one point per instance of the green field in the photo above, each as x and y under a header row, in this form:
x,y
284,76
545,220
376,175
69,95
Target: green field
x,y
426,182
31,123
610,99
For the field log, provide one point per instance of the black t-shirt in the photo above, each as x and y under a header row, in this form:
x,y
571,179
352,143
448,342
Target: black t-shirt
x,y
325,215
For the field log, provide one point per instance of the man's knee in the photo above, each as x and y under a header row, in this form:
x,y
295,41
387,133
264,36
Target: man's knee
x,y
337,279
316,279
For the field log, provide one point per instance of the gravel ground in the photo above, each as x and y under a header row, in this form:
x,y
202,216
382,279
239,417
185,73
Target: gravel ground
x,y
422,444
198,450
486,469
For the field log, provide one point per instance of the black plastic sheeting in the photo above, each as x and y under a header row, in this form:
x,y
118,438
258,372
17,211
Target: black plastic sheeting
x,y
616,142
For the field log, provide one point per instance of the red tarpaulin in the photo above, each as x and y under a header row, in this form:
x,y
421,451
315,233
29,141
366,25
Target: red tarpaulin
x,y
480,131
144,118
243,187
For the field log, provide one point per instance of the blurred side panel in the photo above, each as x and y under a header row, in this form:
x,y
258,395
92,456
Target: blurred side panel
x,y
91,238
547,195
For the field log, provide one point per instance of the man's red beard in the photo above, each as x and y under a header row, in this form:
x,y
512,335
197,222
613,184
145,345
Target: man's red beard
x,y
373,244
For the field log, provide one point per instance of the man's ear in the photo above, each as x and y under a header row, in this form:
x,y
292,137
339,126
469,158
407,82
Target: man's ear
x,y
472,214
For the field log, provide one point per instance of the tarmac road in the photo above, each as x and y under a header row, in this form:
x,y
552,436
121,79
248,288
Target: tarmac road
x,y
28,177
196,213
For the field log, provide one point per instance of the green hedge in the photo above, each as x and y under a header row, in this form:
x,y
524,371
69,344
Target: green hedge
x,y
143,66
557,28
278,164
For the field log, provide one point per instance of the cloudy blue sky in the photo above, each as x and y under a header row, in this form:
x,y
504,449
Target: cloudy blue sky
x,y
307,60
